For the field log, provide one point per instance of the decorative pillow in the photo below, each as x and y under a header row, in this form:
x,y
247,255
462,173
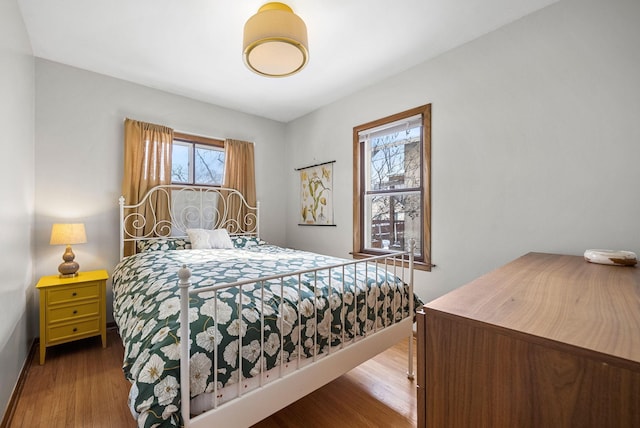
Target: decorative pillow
x,y
199,239
219,238
205,239
246,241
162,244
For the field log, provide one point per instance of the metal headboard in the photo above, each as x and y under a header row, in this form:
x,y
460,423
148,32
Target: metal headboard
x,y
189,207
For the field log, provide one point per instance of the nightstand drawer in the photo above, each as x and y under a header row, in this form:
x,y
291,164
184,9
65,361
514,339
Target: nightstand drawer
x,y
69,293
68,331
69,312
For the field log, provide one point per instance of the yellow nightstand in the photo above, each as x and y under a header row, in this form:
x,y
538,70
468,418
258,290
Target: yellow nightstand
x,y
72,308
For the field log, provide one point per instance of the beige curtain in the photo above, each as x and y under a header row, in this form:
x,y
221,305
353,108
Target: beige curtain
x,y
147,163
239,174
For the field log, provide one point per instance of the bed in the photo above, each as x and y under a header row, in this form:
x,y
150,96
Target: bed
x,y
267,325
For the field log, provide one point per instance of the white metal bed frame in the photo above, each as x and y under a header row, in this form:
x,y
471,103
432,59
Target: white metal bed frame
x,y
269,397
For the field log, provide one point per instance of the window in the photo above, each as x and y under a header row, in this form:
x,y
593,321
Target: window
x,y
197,160
392,163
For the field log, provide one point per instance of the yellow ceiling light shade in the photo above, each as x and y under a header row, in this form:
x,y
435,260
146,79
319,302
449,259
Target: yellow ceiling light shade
x,y
275,41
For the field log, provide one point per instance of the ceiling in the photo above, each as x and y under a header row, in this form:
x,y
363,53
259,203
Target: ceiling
x,y
194,47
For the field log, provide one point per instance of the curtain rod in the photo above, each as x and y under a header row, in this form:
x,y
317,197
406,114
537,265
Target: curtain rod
x,y
311,166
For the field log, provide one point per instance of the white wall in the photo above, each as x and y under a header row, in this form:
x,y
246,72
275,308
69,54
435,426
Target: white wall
x,y
79,156
16,196
535,143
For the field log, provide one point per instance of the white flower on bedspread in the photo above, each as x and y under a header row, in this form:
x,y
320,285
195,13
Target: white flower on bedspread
x,y
334,301
258,366
351,318
288,293
348,298
289,318
200,369
310,328
272,345
139,302
251,352
295,333
169,411
139,362
321,302
135,348
362,313
166,390
169,307
162,296
172,351
324,327
251,315
223,314
237,328
160,335
143,410
139,326
209,338
372,297
244,300
306,308
148,328
231,353
312,349
397,306
152,371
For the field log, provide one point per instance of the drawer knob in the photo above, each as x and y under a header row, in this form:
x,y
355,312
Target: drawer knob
x,y
75,329
74,294
75,311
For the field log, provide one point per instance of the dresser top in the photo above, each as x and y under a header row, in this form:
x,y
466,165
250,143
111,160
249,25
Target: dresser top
x,y
556,297
83,276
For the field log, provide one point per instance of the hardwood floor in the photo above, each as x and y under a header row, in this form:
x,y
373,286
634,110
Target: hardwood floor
x,y
81,385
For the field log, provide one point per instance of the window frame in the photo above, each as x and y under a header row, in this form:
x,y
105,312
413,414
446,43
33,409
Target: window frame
x,y
194,141
424,263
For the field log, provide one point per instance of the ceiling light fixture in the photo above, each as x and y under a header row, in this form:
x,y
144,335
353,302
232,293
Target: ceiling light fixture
x,y
275,41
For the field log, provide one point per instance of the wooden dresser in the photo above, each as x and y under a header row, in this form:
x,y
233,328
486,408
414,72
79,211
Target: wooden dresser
x,y
545,341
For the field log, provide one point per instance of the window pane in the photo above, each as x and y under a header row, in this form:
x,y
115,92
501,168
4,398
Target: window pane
x,y
209,165
394,160
180,163
392,220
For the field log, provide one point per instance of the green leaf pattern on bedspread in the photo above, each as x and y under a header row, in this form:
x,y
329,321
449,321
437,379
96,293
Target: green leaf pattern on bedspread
x,y
146,309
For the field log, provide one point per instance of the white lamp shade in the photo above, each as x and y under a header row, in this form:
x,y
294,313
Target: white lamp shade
x,y
275,41
67,234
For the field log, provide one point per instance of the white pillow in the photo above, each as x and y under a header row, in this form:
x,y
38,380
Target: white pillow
x,y
199,239
219,238
205,239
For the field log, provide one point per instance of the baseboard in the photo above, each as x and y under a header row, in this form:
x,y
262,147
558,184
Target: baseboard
x,y
13,401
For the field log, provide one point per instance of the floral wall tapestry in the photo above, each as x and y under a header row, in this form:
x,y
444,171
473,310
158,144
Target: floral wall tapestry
x,y
316,195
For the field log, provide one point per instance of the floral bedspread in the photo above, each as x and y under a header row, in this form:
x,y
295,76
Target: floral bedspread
x,y
146,307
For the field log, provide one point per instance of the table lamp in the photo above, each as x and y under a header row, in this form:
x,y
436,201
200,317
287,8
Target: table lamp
x,y
67,234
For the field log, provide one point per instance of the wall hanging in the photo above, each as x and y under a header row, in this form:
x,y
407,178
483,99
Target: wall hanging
x,y
316,195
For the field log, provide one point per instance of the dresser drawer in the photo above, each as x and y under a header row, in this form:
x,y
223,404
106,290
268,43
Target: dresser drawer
x,y
64,332
69,293
69,312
